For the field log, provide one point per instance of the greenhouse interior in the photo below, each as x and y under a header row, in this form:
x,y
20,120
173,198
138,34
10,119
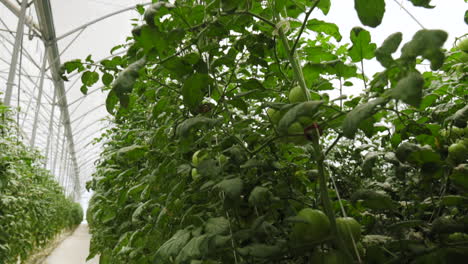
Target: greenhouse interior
x,y
233,131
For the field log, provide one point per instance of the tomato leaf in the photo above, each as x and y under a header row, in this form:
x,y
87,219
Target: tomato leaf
x,y
259,196
374,200
459,177
194,89
107,79
358,115
193,249
384,53
111,102
324,5
217,226
307,109
324,27
422,3
174,245
132,153
460,118
261,250
123,85
409,89
428,44
231,187
185,127
416,154
362,47
370,12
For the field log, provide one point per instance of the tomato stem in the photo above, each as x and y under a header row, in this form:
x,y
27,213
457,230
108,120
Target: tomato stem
x,y
327,205
294,62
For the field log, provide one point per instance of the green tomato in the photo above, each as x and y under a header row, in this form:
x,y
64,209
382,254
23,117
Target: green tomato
x,y
274,115
454,133
463,57
296,134
316,228
296,95
305,121
463,45
295,129
457,237
195,174
349,229
458,152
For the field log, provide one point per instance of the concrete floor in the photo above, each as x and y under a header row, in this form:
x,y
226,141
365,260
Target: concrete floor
x,y
74,249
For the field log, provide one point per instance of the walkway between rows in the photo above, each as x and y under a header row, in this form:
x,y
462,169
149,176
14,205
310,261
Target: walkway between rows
x,y
74,249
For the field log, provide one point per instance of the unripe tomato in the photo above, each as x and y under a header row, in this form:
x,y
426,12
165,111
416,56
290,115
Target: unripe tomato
x,y
274,115
463,57
296,95
295,129
348,228
454,133
316,229
305,121
463,45
457,237
296,132
458,152
195,174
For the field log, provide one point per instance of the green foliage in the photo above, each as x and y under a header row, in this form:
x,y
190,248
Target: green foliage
x,y
422,3
33,208
409,89
370,12
384,53
428,44
358,115
362,47
217,81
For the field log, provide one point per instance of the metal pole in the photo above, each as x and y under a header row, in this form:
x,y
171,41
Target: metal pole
x,y
28,20
39,97
46,22
99,20
14,58
64,151
98,107
57,145
66,171
51,127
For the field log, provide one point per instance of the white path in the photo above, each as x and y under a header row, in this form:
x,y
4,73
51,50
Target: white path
x,y
74,249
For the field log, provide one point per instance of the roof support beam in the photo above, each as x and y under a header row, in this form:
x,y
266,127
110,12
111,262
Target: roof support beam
x,y
16,49
17,11
46,22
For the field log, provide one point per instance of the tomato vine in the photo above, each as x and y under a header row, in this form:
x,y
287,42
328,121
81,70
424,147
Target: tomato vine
x,y
225,131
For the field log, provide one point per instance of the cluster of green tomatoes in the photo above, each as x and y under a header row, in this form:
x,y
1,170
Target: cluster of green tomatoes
x,y
315,228
296,131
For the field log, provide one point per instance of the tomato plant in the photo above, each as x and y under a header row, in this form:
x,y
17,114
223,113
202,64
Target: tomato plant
x,y
33,207
239,82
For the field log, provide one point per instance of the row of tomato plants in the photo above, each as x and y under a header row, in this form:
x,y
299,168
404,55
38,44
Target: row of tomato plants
x,y
33,206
